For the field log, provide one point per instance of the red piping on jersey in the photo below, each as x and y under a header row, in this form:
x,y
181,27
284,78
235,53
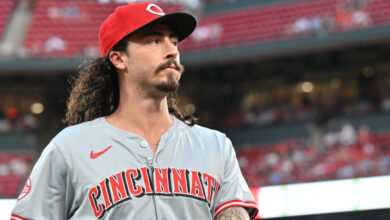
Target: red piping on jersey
x,y
239,203
17,217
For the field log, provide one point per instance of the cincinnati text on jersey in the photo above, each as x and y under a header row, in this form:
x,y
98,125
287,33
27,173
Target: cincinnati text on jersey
x,y
151,182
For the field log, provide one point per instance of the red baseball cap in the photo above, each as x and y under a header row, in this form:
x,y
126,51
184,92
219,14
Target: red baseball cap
x,y
129,18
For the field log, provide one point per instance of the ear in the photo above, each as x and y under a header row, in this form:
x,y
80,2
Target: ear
x,y
118,59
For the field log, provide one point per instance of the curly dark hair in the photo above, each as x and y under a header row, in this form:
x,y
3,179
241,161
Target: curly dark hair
x,y
95,92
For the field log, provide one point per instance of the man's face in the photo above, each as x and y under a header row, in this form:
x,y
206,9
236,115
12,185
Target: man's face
x,y
153,60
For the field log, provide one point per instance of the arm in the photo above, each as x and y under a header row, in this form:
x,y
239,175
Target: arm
x,y
233,213
49,189
234,199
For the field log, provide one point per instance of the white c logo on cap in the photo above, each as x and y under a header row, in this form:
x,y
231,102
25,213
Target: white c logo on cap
x,y
157,10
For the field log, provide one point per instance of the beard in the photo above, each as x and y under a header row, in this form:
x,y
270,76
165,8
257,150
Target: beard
x,y
171,85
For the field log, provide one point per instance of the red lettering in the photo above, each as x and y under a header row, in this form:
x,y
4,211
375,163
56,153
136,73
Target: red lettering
x,y
180,181
161,178
146,178
210,181
131,175
98,209
118,187
216,188
105,194
196,187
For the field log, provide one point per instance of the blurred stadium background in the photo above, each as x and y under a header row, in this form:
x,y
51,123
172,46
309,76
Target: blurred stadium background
x,y
302,87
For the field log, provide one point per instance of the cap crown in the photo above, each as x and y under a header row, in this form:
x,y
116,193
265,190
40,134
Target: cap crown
x,y
125,20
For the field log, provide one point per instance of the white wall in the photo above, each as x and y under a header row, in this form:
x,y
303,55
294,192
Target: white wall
x,y
6,206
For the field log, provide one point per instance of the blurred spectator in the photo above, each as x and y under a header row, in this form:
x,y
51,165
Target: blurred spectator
x,y
71,11
4,169
301,27
91,51
13,170
347,135
209,32
54,44
294,161
18,166
385,105
15,122
351,15
5,124
12,113
26,122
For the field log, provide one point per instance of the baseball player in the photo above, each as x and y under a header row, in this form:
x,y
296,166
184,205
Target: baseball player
x,y
129,152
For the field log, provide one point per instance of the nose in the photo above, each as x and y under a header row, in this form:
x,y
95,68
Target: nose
x,y
171,50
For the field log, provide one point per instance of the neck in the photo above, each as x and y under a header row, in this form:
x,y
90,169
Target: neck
x,y
144,115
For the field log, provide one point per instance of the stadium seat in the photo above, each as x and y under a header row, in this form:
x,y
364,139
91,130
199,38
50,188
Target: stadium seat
x,y
5,12
76,24
307,164
14,168
66,28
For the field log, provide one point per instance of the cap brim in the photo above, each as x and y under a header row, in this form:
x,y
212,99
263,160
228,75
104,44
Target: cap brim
x,y
182,24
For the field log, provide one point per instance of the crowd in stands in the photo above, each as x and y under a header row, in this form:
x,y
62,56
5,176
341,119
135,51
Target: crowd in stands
x,y
12,121
347,15
15,164
69,28
315,112
343,154
14,169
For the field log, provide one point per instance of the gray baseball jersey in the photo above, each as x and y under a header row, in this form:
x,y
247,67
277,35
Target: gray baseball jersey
x,y
94,170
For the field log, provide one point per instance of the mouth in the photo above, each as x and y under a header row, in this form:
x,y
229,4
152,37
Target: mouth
x,y
170,66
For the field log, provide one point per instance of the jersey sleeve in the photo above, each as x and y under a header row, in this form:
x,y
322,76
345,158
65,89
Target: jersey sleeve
x,y
233,190
48,192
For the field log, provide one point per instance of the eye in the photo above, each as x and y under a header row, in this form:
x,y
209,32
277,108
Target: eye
x,y
175,43
155,41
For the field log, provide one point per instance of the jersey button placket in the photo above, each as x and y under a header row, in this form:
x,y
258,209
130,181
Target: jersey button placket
x,y
144,144
149,160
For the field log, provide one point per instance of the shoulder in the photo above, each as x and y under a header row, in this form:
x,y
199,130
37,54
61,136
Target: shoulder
x,y
202,131
76,135
74,141
84,129
210,137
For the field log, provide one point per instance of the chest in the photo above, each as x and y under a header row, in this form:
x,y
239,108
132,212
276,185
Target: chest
x,y
116,172
103,158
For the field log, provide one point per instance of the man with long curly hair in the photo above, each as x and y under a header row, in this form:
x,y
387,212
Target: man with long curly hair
x,y
129,152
